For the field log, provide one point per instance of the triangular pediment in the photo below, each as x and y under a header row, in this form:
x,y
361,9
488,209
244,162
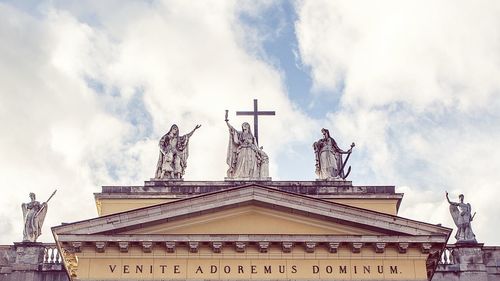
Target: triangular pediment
x,y
252,219
251,209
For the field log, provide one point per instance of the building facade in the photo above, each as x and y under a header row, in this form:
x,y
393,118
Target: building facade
x,y
242,230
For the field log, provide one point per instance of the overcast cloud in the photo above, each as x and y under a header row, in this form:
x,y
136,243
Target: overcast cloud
x,y
86,91
420,94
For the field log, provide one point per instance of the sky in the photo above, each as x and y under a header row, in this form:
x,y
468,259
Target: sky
x,y
88,88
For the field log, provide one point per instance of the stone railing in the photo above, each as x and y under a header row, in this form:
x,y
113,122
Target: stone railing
x,y
448,255
51,254
31,261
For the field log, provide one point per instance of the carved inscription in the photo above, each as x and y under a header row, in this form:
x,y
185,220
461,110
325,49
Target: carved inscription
x,y
208,269
254,269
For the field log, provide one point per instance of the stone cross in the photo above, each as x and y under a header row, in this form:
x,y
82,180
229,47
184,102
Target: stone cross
x,y
255,114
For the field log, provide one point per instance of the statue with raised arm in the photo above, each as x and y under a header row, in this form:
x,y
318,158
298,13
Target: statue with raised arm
x,y
461,213
34,214
172,161
329,164
244,158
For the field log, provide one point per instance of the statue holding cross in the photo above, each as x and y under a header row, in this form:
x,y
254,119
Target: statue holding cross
x,y
255,113
245,158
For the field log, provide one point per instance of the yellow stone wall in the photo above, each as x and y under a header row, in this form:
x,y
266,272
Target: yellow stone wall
x,y
230,265
111,206
252,220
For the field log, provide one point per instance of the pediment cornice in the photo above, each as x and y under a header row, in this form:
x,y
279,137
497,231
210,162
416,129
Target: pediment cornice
x,y
247,195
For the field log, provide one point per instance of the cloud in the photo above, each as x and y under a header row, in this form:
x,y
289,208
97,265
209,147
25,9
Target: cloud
x,y
419,93
87,93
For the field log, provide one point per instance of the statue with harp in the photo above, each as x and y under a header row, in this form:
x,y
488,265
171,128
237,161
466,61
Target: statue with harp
x,y
329,162
34,214
461,213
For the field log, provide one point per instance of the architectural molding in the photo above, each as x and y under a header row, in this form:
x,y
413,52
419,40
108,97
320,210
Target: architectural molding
x,y
240,246
402,241
100,246
170,246
193,246
147,246
77,246
216,247
379,247
403,247
263,246
310,247
286,247
333,247
123,245
356,247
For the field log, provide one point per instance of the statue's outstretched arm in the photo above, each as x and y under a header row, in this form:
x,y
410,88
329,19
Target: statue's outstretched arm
x,y
350,149
195,128
448,199
229,126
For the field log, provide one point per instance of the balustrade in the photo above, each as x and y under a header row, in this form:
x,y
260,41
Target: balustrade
x,y
448,257
51,254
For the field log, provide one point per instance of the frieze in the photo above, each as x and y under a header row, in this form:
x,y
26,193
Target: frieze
x,y
269,269
175,269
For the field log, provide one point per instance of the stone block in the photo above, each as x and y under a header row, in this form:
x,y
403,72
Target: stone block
x,y
7,255
25,267
6,270
29,253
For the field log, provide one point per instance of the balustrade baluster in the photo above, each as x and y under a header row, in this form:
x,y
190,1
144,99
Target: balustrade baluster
x,y
51,254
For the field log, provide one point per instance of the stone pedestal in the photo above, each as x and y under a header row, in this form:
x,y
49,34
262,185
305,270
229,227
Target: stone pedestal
x,y
29,255
469,259
25,261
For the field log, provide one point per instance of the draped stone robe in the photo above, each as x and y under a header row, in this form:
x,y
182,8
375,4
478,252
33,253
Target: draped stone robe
x,y
34,215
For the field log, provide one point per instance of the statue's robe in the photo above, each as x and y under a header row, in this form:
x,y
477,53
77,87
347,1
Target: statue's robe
x,y
34,215
174,152
328,159
242,155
